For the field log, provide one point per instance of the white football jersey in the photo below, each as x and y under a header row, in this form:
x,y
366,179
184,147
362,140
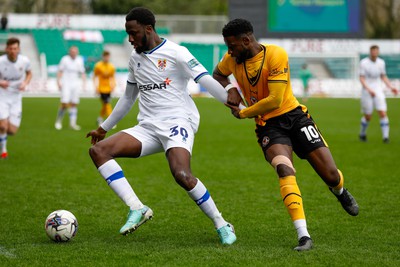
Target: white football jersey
x,y
71,69
14,72
372,71
162,75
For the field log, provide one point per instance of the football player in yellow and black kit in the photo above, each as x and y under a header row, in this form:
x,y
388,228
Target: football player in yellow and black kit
x,y
104,81
282,124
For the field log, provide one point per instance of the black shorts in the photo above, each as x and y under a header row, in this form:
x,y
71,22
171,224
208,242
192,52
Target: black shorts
x,y
295,128
105,97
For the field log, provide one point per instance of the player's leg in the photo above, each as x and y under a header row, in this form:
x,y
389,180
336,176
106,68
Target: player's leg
x,y
280,157
179,162
64,100
381,107
73,109
367,107
3,137
102,114
103,155
323,163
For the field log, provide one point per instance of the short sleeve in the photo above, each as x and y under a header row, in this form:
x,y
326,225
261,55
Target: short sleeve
x,y
278,65
190,65
61,66
224,65
131,74
362,68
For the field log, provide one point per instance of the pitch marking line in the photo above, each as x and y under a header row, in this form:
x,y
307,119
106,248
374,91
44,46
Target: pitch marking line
x,y
4,252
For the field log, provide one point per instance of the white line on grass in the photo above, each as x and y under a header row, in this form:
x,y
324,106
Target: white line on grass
x,y
4,252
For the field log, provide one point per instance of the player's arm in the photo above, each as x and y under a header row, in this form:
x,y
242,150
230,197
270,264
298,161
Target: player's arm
x,y
385,79
265,105
365,85
122,108
27,80
59,76
234,98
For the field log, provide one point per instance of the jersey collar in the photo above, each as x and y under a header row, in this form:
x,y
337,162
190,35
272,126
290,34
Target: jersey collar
x,y
155,48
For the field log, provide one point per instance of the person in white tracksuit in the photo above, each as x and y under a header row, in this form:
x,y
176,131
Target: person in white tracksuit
x,y
372,73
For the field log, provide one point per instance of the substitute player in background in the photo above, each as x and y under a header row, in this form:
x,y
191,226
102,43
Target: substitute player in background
x,y
71,78
282,124
104,82
168,120
372,71
15,75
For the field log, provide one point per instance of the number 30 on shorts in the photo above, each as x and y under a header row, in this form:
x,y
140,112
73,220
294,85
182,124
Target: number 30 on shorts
x,y
182,131
310,132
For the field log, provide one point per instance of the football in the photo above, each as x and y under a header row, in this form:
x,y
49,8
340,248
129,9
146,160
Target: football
x,y
61,226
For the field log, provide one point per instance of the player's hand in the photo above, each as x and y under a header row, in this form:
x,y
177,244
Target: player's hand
x,y
234,97
96,135
372,93
22,87
235,110
4,84
394,90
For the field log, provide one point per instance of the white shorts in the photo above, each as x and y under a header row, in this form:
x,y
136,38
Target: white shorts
x,y
368,103
11,107
70,94
163,135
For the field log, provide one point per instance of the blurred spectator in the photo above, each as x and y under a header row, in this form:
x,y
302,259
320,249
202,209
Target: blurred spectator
x,y
305,75
4,21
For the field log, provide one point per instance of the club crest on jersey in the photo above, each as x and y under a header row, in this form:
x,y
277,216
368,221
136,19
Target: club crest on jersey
x,y
265,141
162,64
193,63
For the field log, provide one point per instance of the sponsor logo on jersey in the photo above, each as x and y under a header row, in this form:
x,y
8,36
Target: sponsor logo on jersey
x,y
162,64
193,63
276,72
265,141
253,100
153,86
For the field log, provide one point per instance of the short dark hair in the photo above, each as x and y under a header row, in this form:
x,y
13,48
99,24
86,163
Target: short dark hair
x,y
373,47
106,53
237,27
12,40
142,15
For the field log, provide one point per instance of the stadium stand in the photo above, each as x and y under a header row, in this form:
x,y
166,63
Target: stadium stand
x,y
51,43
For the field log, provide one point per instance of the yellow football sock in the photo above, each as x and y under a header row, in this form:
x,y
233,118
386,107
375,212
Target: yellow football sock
x,y
103,111
291,196
339,188
108,109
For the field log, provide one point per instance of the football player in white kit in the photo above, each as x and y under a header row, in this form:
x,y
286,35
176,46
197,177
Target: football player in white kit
x,y
159,71
70,78
372,71
15,75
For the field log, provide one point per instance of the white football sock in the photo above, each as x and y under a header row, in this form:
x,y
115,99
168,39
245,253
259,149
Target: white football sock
x,y
3,142
73,115
301,228
115,178
385,127
203,199
60,114
364,126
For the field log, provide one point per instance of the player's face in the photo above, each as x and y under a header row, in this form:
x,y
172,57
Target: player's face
x,y
138,35
73,52
12,51
374,53
237,48
106,58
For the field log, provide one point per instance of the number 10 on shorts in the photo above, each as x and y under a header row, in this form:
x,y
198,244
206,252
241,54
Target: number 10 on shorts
x,y
311,133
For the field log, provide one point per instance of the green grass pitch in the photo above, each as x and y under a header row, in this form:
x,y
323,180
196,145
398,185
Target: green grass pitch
x,y
49,170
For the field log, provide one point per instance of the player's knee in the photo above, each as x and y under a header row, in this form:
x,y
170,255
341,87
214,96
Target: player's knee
x,y
184,178
283,166
96,152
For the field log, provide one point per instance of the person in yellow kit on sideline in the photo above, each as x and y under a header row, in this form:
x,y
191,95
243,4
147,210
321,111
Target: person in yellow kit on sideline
x,y
104,82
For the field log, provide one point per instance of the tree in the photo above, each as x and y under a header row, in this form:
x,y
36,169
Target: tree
x,y
177,7
382,19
